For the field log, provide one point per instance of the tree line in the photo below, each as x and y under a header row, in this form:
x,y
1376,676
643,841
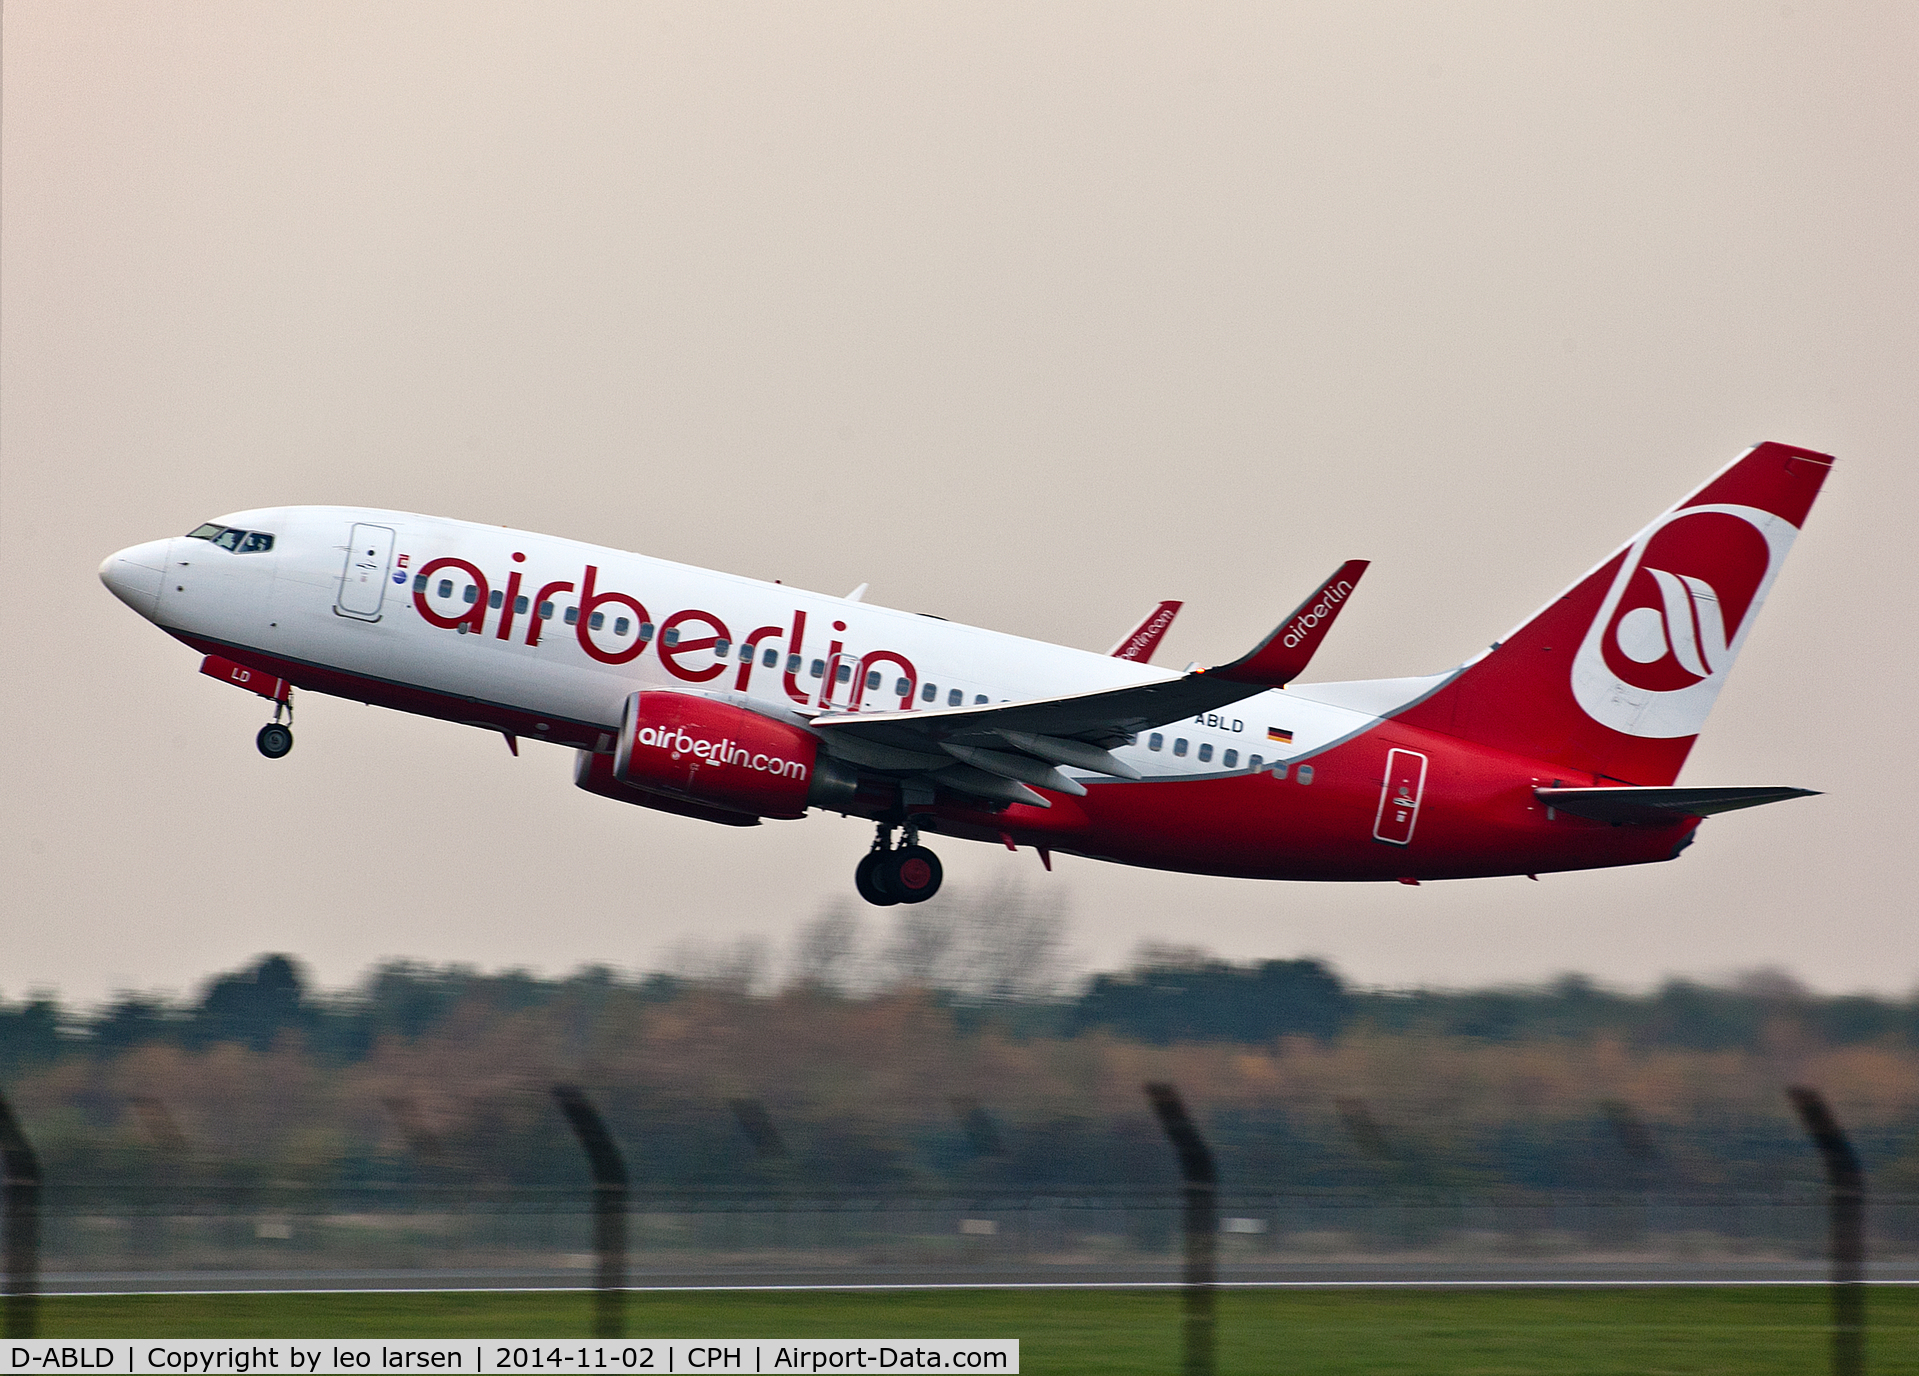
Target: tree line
x,y
1169,996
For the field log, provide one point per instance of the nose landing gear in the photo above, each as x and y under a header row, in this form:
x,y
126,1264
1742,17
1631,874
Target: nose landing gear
x,y
909,873
276,738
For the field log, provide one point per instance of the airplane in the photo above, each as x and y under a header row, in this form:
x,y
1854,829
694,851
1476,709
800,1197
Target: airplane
x,y
735,701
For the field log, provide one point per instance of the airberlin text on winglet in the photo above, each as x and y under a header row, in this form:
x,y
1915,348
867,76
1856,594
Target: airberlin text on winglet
x,y
1330,597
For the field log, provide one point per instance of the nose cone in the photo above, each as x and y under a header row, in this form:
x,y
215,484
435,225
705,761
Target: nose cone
x,y
133,575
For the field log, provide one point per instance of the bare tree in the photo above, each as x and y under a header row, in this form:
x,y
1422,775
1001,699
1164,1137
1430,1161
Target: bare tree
x,y
1002,943
739,965
826,950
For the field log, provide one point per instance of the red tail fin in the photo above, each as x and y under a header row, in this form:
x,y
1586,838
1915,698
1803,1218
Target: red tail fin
x,y
1615,676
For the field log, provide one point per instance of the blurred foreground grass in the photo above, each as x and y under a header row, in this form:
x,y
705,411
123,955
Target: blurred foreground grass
x,y
1749,1330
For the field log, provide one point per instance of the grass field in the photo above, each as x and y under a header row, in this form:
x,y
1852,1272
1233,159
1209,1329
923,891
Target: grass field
x,y
1645,1332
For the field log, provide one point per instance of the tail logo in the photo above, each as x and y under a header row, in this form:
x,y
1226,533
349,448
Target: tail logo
x,y
1688,626
1679,608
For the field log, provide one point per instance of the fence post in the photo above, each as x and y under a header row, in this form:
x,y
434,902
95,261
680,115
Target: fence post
x,y
1202,1223
22,1243
609,1208
1846,1203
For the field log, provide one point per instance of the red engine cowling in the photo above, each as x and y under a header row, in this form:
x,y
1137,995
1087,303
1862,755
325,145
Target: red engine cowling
x,y
714,754
594,773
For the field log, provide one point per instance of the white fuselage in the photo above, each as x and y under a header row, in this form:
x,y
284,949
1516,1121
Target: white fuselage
x,y
318,598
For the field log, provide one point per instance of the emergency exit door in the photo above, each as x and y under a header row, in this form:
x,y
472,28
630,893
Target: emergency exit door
x,y
369,557
1399,797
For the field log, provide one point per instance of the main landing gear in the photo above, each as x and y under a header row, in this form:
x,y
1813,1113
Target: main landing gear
x,y
276,738
908,873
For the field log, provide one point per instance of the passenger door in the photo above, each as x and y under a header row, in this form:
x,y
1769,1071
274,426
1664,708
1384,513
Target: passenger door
x,y
369,559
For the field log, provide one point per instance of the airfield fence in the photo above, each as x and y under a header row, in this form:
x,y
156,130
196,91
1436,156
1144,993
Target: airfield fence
x,y
540,1231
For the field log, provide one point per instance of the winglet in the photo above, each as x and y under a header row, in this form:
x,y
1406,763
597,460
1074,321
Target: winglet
x,y
1139,643
1284,655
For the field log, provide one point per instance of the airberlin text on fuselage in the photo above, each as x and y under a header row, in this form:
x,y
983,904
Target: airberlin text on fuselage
x,y
709,633
1296,630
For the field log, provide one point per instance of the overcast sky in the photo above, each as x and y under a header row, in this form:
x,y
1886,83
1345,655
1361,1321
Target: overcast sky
x,y
1028,314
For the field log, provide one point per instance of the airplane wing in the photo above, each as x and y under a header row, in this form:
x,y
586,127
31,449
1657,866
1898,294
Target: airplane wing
x,y
995,751
1139,643
1622,805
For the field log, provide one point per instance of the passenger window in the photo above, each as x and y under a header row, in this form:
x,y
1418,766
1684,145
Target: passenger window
x,y
1305,773
446,587
979,700
1179,745
646,630
228,539
873,680
597,620
903,687
770,658
1230,759
419,582
844,673
519,606
792,664
546,611
672,637
1206,752
722,648
472,594
1279,769
817,669
572,616
1155,741
621,624
955,698
929,691
496,599
1253,762
257,542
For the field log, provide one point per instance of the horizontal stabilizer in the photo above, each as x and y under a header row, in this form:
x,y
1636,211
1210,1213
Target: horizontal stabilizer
x,y
1617,805
1284,655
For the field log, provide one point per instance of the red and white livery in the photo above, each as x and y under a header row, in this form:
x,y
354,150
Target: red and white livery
x,y
733,701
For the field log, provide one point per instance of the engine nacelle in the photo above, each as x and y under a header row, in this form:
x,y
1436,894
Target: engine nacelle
x,y
594,773
714,754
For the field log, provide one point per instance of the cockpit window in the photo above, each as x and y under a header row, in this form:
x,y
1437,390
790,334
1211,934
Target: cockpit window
x,y
239,541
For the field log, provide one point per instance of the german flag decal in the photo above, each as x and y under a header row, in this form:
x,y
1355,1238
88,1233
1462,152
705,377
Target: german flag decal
x,y
1279,734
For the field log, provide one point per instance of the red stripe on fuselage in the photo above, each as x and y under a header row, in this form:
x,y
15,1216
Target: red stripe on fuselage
x,y
406,697
1478,817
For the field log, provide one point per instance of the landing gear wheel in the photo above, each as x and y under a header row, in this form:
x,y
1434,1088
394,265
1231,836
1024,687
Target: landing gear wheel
x,y
869,879
274,740
913,874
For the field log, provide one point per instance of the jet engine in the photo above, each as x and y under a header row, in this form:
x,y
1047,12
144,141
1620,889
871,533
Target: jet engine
x,y
714,755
